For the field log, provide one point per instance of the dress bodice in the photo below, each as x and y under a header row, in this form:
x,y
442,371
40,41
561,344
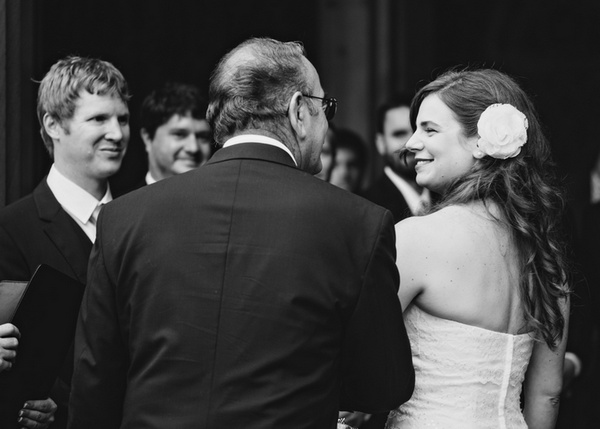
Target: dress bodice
x,y
466,376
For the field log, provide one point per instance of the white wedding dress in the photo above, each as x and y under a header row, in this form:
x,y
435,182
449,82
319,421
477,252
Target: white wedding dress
x,y
466,377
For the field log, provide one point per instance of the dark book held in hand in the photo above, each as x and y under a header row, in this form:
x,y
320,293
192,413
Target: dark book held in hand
x,y
45,311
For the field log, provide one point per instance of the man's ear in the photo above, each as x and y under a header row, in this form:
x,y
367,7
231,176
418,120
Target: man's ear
x,y
297,114
52,126
146,139
380,144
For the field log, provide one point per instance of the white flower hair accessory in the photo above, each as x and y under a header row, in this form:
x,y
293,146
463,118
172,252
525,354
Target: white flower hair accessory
x,y
502,130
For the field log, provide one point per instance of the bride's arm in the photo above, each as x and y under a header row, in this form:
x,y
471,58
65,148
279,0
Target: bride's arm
x,y
409,260
543,381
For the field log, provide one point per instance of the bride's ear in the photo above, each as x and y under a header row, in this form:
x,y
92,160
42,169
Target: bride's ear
x,y
477,153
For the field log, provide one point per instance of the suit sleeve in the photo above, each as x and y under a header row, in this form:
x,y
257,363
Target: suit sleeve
x,y
98,384
377,369
13,265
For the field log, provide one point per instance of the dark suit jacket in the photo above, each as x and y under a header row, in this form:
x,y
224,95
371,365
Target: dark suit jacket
x,y
245,293
383,192
36,230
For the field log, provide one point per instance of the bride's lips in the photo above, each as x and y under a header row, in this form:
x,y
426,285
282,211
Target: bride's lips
x,y
422,161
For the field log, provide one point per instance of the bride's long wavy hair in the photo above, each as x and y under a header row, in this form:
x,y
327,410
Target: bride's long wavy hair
x,y
524,188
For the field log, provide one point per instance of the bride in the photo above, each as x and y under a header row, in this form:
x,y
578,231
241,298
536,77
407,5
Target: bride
x,y
483,276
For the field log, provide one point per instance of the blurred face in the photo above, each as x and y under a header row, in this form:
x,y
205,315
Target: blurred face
x,y
89,147
442,152
346,172
396,132
179,145
317,125
326,157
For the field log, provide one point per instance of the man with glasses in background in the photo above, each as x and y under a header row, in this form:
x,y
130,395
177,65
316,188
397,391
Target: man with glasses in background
x,y
267,299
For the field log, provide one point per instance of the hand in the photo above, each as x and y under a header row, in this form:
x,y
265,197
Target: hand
x,y
37,414
9,341
354,419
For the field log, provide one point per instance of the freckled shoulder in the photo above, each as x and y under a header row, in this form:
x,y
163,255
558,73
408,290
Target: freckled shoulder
x,y
438,233
416,240
432,252
414,227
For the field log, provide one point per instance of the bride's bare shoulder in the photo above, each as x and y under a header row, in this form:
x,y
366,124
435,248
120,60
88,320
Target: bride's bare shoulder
x,y
442,229
445,219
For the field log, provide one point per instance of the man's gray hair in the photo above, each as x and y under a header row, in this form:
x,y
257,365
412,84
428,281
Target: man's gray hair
x,y
252,85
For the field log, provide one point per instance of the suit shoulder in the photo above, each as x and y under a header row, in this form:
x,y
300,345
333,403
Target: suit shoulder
x,y
341,196
355,208
18,211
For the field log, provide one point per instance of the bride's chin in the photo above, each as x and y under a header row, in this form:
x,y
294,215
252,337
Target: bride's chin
x,y
421,180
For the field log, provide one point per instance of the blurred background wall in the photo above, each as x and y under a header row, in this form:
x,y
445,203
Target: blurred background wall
x,y
363,49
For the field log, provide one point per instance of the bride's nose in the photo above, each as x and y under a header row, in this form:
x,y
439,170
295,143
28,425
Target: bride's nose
x,y
414,143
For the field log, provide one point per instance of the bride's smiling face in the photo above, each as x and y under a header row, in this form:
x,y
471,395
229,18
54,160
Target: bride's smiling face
x,y
442,151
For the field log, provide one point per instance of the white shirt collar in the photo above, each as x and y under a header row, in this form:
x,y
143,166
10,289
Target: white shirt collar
x,y
414,200
76,201
149,179
257,138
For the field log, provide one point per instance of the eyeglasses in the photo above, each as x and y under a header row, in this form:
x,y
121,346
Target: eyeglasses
x,y
329,105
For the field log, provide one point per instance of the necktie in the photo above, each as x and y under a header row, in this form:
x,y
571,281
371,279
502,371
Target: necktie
x,y
95,213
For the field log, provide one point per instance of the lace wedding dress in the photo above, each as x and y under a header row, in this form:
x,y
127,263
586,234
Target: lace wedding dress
x,y
466,377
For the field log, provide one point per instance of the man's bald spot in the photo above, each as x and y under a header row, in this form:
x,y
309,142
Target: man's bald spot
x,y
245,55
251,53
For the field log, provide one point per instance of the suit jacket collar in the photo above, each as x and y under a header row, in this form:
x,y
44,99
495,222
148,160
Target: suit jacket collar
x,y
252,151
63,231
47,205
